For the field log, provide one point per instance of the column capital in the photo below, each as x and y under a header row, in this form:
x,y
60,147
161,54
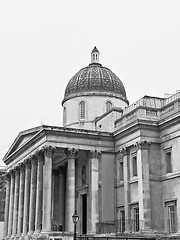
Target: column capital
x,y
33,159
94,153
7,176
71,152
21,166
124,151
143,145
39,155
12,173
48,151
17,170
27,162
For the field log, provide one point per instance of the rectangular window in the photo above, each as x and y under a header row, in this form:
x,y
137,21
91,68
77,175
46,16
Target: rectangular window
x,y
134,166
172,218
122,221
168,162
136,219
121,175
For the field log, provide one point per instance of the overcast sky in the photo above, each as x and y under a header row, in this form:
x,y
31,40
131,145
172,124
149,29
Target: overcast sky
x,y
44,43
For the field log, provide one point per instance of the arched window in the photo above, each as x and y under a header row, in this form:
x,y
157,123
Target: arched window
x,y
108,105
82,110
65,116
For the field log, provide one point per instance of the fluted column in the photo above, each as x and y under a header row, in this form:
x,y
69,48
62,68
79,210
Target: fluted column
x,y
47,188
11,204
39,192
125,152
93,189
32,204
6,205
16,199
144,185
26,196
21,199
70,190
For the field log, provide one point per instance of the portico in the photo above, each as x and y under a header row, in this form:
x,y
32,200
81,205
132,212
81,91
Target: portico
x,y
45,187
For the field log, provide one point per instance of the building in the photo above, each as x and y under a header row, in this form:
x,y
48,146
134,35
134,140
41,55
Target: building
x,y
117,165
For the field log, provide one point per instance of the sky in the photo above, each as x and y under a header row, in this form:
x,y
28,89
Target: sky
x,y
44,43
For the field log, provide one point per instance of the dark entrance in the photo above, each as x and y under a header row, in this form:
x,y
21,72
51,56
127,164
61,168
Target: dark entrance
x,y
84,213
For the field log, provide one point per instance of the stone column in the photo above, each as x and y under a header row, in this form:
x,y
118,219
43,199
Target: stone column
x,y
39,192
11,204
70,190
7,205
144,185
47,188
16,200
26,196
21,200
32,204
93,190
125,152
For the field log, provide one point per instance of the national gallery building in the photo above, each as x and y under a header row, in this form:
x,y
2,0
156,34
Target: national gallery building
x,y
117,166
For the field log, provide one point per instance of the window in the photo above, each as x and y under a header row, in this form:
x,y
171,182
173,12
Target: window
x,y
108,105
168,159
65,116
121,175
122,220
136,219
134,166
82,110
171,216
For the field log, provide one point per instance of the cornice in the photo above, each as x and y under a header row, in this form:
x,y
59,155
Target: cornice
x,y
134,126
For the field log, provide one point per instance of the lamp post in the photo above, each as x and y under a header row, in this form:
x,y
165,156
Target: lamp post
x,y
75,219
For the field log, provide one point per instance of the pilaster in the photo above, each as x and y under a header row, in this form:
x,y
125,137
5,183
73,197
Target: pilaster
x,y
125,153
144,185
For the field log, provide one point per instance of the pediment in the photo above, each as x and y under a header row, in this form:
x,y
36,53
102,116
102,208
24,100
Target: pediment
x,y
22,138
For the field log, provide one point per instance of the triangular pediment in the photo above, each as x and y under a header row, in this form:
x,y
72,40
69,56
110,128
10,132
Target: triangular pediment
x,y
22,138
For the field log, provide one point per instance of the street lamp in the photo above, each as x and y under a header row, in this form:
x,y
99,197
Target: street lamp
x,y
75,219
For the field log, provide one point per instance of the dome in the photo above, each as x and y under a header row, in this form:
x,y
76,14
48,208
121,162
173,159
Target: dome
x,y
95,80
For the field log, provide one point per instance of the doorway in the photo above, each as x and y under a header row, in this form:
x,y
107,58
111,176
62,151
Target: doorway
x,y
84,213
